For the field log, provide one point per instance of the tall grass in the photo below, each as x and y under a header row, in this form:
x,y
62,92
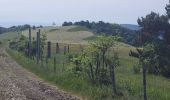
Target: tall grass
x,y
158,88
66,34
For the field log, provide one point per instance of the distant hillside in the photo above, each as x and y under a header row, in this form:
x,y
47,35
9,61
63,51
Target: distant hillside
x,y
2,30
14,28
130,26
8,36
100,28
65,34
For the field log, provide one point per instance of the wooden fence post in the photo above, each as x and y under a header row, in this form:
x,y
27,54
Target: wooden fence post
x,y
42,62
49,49
57,48
30,44
65,49
46,61
144,81
68,49
39,31
38,47
55,64
112,72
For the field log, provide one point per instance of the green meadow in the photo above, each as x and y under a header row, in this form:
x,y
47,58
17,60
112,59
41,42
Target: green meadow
x,y
127,81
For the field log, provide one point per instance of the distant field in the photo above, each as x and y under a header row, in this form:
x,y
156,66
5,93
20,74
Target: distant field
x,y
67,34
8,36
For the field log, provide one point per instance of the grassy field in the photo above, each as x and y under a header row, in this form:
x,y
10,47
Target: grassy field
x,y
158,87
8,36
67,34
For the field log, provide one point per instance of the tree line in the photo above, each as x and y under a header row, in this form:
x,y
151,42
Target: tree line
x,y
18,28
14,28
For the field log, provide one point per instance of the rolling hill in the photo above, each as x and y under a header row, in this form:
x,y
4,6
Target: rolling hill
x,y
130,83
66,34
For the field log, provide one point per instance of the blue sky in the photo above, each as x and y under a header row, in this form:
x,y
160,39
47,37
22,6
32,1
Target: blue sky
x,y
14,12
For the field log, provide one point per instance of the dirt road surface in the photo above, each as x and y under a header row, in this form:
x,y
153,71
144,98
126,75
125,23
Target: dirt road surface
x,y
18,84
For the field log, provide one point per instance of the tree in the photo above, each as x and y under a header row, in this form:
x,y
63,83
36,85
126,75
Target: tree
x,y
99,61
155,30
53,24
167,35
153,56
40,26
141,56
154,26
168,10
67,24
34,27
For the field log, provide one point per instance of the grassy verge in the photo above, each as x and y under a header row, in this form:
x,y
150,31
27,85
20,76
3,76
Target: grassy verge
x,y
158,88
63,78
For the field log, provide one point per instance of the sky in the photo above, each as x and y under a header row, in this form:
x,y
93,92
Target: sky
x,y
45,12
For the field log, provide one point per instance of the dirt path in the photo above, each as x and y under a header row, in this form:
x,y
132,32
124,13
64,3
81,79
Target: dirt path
x,y
18,84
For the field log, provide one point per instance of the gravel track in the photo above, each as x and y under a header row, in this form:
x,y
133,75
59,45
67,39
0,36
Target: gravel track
x,y
18,84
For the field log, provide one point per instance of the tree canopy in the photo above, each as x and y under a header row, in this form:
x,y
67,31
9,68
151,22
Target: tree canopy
x,y
155,34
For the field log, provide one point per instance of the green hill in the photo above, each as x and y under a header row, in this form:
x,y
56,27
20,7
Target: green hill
x,y
128,82
8,36
66,34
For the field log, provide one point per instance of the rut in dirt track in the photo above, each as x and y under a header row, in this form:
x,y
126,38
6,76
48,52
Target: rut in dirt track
x,y
18,84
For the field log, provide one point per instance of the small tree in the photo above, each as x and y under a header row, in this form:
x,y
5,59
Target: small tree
x,y
145,55
96,59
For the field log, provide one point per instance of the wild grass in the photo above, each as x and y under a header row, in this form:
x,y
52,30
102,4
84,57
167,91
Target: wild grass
x,y
158,88
67,34
8,36
78,28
